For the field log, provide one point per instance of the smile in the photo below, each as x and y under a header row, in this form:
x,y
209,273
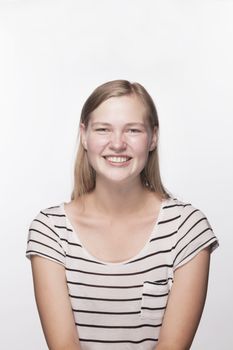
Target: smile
x,y
118,159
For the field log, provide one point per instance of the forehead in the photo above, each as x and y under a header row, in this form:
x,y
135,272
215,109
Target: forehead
x,y
123,108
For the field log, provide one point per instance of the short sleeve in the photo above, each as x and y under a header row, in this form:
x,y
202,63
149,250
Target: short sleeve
x,y
43,239
194,234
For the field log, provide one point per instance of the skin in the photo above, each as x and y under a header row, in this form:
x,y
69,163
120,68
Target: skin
x,y
185,303
119,195
114,183
54,305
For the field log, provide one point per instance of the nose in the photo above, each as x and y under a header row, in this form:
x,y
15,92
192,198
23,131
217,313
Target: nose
x,y
117,141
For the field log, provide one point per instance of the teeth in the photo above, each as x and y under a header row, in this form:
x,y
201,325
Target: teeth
x,y
117,159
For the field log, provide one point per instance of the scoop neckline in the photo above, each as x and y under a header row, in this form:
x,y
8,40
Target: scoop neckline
x,y
109,263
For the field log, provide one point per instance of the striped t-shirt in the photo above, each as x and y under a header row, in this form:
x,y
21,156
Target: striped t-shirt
x,y
120,306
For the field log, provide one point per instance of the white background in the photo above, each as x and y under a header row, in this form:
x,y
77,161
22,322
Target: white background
x,y
53,54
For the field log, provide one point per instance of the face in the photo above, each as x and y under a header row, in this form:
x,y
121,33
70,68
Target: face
x,y
118,139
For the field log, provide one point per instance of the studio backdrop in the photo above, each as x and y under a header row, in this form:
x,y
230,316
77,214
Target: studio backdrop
x,y
53,54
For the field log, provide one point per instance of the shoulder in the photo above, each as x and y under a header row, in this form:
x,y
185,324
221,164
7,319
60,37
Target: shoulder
x,y
194,233
177,207
186,213
48,217
47,234
50,212
183,207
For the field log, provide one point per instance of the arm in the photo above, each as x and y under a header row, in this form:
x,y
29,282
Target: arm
x,y
54,305
185,303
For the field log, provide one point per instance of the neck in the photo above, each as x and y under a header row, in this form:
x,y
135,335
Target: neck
x,y
118,200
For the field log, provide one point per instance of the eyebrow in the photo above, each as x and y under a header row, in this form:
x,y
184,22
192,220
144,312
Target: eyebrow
x,y
127,124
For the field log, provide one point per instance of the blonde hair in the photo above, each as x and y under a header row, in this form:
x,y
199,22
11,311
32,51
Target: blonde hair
x,y
84,174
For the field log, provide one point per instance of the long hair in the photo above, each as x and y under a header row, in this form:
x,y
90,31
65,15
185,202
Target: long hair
x,y
84,174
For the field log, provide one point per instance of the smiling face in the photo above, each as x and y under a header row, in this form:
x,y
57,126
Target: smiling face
x,y
118,139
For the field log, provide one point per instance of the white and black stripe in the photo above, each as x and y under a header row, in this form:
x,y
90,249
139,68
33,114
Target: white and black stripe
x,y
121,305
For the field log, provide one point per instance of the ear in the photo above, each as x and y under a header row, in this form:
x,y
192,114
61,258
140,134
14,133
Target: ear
x,y
154,139
83,135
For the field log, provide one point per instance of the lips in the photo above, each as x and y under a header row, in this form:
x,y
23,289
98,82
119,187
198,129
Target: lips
x,y
117,159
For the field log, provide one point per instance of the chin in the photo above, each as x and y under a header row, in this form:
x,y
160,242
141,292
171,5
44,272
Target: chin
x,y
120,181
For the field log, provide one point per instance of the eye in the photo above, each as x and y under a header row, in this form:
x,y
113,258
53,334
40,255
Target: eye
x,y
134,131
101,129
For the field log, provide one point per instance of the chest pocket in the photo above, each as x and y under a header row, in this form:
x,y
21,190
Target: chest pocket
x,y
154,299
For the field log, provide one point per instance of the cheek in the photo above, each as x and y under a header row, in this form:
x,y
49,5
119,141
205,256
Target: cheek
x,y
95,144
139,145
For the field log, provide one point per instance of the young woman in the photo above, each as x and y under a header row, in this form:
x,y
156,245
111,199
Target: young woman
x,y
124,264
